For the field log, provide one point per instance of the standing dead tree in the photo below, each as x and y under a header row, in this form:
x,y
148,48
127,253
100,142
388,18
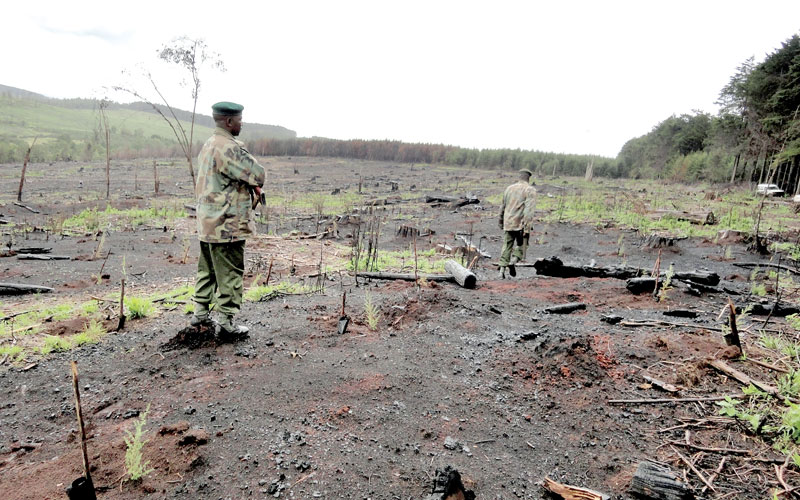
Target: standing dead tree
x,y
156,182
190,54
107,136
24,168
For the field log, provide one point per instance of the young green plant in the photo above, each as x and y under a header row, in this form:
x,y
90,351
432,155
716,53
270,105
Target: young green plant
x,y
135,465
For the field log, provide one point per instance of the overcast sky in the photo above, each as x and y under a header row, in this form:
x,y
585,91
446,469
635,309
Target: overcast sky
x,y
570,76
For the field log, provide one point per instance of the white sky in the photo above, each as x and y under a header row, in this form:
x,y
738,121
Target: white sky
x,y
570,76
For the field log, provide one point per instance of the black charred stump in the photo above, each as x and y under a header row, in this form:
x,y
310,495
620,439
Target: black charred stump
x,y
191,337
447,485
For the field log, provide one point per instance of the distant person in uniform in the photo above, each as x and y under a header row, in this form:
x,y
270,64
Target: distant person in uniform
x,y
516,216
526,232
227,177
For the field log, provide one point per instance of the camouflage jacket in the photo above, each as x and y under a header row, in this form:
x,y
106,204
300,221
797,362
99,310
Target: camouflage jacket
x,y
226,173
516,213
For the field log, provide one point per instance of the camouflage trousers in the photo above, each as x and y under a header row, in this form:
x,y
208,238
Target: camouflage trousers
x,y
512,240
220,277
526,240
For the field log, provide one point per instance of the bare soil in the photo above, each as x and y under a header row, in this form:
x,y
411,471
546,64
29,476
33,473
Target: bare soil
x,y
482,380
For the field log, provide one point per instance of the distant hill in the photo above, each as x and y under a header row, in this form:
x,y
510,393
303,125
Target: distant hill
x,y
69,129
15,92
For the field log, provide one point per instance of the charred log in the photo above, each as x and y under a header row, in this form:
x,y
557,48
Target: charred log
x,y
656,481
461,274
19,288
566,308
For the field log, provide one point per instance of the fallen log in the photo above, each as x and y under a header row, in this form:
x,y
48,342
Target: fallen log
x,y
36,250
34,256
750,265
698,277
680,313
638,286
741,377
404,276
569,492
20,288
464,201
566,308
321,235
778,310
461,274
698,289
655,480
26,207
696,218
553,266
438,199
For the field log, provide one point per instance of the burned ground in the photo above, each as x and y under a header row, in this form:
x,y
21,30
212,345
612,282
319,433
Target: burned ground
x,y
482,380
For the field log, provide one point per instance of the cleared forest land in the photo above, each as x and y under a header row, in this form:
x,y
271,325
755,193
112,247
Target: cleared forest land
x,y
491,381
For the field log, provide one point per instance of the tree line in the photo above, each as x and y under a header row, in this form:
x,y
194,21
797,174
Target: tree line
x,y
755,136
540,162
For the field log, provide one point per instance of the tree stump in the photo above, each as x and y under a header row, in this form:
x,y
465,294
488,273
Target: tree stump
x,y
656,481
658,241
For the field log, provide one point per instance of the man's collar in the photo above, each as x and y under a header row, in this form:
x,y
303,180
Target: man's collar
x,y
222,131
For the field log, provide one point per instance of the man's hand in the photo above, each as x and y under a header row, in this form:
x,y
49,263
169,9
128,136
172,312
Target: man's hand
x,y
258,197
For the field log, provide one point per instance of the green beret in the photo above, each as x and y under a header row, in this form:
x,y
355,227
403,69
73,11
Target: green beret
x,y
525,171
226,108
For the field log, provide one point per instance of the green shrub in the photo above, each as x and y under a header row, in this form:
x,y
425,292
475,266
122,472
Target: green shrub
x,y
372,312
135,465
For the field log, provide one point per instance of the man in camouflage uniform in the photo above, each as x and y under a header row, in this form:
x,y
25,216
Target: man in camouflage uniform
x,y
516,216
227,177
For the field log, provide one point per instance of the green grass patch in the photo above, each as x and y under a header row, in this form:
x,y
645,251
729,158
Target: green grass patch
x,y
265,292
139,307
92,219
54,344
427,262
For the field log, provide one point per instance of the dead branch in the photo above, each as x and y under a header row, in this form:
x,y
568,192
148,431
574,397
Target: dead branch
x,y
693,468
26,207
751,265
569,492
732,451
716,473
745,380
668,400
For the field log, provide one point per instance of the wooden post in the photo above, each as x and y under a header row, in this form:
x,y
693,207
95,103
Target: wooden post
x,y
732,338
79,414
121,323
462,275
24,168
269,271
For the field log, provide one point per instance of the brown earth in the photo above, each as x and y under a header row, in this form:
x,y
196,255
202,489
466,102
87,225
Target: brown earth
x,y
483,380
